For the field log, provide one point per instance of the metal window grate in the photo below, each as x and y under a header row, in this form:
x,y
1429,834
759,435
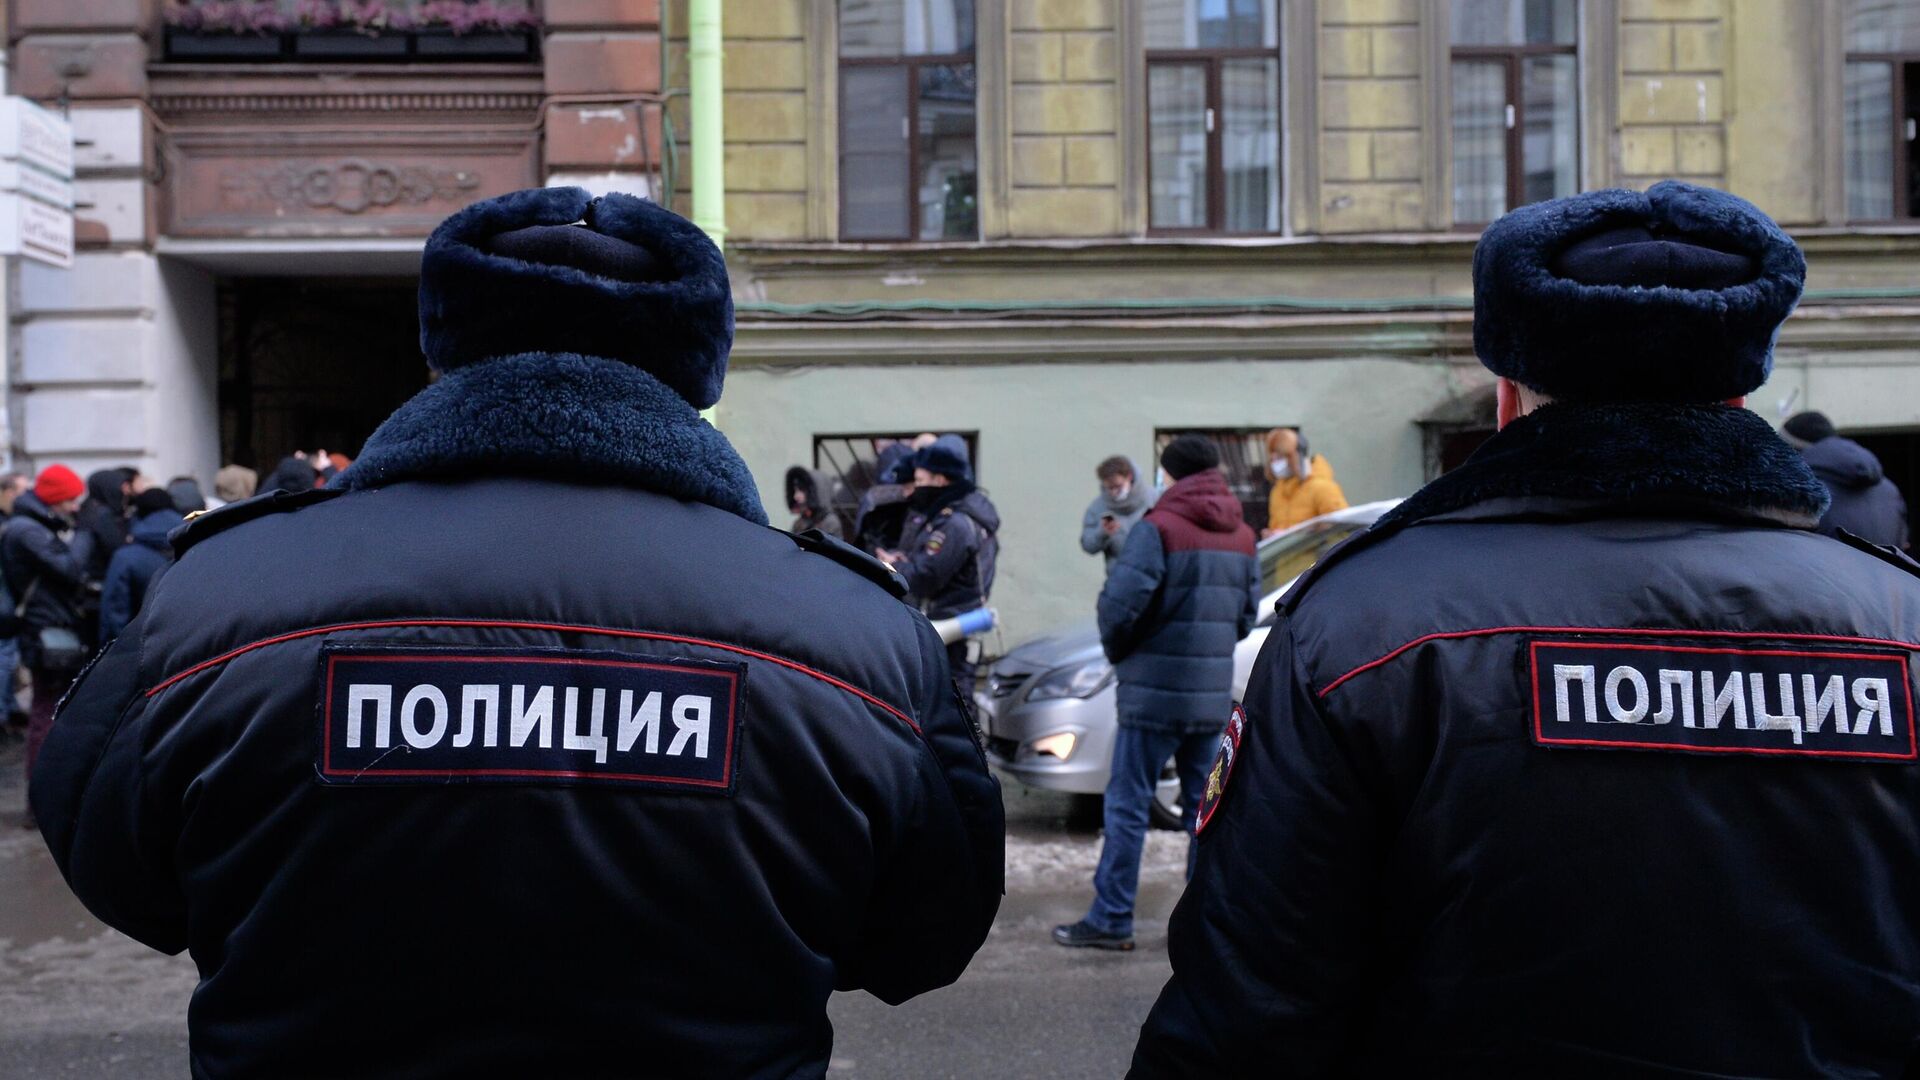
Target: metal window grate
x,y
853,461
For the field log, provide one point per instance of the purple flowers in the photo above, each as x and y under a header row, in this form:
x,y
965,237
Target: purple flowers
x,y
478,16
363,16
228,17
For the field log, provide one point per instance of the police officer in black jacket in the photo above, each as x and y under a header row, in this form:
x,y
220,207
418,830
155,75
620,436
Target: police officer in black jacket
x,y
1592,758
536,762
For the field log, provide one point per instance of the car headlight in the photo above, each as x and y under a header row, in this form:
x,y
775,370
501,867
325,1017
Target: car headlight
x,y
1079,681
1059,745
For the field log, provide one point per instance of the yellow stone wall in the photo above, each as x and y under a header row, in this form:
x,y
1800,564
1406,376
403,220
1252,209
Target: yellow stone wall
x,y
765,107
1370,115
1064,167
1715,91
1673,76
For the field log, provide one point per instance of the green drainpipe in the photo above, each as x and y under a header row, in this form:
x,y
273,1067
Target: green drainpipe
x,y
709,131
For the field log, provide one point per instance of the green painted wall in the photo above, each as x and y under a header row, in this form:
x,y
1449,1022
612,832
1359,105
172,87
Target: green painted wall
x,y
1043,427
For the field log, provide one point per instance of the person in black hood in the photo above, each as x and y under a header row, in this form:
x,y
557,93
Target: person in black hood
x,y
1865,502
883,507
294,475
810,500
139,562
104,514
949,545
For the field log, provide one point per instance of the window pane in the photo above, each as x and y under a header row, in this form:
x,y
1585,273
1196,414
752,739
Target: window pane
x,y
1550,145
1515,22
1883,26
1250,143
873,153
905,27
947,170
1177,145
1479,141
1211,24
1869,141
1910,146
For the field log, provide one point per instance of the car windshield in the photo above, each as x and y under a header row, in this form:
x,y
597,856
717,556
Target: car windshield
x,y
1288,557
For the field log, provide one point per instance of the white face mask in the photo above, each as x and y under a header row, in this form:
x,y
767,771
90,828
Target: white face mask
x,y
1282,469
1121,495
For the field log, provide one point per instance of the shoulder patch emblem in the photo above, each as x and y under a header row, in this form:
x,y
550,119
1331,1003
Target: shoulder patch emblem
x,y
427,715
1722,696
1222,770
935,541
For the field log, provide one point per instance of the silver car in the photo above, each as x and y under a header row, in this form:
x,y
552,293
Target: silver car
x,y
1048,705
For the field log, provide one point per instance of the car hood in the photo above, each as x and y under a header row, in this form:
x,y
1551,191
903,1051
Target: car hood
x,y
1077,643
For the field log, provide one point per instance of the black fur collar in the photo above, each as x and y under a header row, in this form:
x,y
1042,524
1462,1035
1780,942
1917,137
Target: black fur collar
x,y
1701,459
558,415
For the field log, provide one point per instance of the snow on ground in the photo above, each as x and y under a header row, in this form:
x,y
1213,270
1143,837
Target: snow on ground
x,y
1035,863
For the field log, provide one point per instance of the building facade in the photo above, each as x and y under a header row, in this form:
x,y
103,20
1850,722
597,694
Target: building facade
x,y
255,182
1064,228
1068,228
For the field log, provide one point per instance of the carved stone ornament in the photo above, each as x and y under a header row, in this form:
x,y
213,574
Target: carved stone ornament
x,y
350,186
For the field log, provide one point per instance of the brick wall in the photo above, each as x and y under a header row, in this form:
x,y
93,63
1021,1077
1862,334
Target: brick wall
x,y
1065,154
1370,115
596,48
1673,74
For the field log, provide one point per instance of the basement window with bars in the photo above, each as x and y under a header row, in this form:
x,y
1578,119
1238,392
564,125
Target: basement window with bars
x,y
1881,128
1243,455
1516,111
1213,116
852,463
908,156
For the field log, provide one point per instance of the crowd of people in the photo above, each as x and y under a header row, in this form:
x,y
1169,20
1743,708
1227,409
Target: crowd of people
x,y
77,559
925,517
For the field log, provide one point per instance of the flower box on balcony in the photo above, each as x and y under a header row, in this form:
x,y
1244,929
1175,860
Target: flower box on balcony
x,y
349,45
437,43
191,45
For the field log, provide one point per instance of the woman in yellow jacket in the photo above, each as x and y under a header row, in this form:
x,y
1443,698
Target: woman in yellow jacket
x,y
1303,484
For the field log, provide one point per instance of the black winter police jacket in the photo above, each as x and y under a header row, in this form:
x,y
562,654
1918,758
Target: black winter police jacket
x,y
456,773
1582,763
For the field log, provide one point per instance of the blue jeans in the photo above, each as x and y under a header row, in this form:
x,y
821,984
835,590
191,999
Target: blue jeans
x,y
1137,758
9,663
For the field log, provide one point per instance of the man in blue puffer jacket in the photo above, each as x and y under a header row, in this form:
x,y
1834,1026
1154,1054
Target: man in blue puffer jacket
x,y
1181,596
139,562
538,760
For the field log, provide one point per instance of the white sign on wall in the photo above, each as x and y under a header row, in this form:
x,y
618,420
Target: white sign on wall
x,y
36,183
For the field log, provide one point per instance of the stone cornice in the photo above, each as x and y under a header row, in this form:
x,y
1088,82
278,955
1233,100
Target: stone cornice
x,y
1419,337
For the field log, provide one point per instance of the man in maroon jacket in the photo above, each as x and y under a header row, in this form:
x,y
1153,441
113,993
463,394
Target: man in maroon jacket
x,y
1180,597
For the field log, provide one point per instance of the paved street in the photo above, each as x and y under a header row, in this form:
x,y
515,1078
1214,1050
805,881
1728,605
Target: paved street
x,y
79,1000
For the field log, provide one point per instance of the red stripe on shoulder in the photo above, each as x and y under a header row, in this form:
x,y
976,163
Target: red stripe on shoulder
x,y
1450,635
640,635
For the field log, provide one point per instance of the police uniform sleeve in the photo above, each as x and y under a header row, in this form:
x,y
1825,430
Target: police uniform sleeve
x,y
110,833
947,545
939,886
1270,941
1129,589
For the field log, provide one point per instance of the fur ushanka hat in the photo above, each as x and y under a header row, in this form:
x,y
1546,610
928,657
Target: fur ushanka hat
x,y
555,270
1675,294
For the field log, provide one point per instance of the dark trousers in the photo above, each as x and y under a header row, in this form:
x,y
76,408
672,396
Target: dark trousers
x,y
48,689
960,659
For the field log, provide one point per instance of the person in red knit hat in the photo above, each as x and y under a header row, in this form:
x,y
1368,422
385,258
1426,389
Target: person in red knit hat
x,y
45,562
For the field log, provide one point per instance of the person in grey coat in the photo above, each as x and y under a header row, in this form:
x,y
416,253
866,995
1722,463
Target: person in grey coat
x,y
1125,497
1865,502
